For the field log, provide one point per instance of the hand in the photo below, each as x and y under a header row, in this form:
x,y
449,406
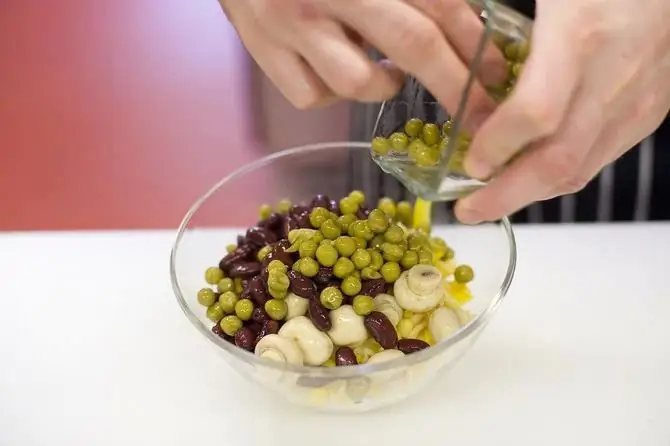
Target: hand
x,y
313,50
596,83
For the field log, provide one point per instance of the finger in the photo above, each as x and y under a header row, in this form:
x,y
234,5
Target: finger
x,y
343,66
463,28
538,105
286,69
416,45
540,171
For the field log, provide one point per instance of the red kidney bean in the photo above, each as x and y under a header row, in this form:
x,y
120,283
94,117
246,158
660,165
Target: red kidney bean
x,y
244,270
260,236
259,315
320,201
279,253
334,207
241,254
241,240
373,287
345,356
298,209
302,286
269,327
408,346
324,275
381,329
362,213
217,330
290,223
303,220
245,338
273,222
319,315
256,290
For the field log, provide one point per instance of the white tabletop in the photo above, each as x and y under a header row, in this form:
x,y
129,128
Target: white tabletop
x,y
95,351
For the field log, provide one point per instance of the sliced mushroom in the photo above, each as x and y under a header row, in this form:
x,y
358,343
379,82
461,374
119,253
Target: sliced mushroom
x,y
443,322
315,345
297,306
385,355
347,326
408,299
280,349
385,303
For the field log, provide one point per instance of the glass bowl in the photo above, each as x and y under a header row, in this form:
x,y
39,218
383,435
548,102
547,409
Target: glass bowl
x,y
201,242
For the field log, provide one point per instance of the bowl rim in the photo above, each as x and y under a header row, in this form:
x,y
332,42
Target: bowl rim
x,y
329,372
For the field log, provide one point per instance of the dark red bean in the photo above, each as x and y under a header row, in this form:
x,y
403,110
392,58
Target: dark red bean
x,y
298,209
269,327
260,236
373,287
362,213
245,338
241,240
259,315
320,201
303,220
217,330
319,315
324,275
241,254
273,222
334,207
345,356
279,253
256,290
408,346
302,286
381,329
245,270
290,223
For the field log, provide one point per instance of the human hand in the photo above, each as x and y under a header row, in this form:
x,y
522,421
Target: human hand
x,y
596,83
313,50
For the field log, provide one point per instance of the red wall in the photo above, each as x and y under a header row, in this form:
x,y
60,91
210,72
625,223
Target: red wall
x,y
117,114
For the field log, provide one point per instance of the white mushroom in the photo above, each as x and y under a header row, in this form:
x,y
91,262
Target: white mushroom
x,y
443,322
297,306
385,355
464,316
385,303
315,345
347,327
280,349
426,279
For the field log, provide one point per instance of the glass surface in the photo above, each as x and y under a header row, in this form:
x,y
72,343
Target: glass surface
x,y
489,248
446,180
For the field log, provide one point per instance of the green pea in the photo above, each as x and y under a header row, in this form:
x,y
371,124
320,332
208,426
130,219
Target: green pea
x,y
425,256
464,274
361,258
307,249
437,244
363,230
415,147
446,128
417,240
360,243
244,309
230,325
331,298
206,297
381,145
404,212
214,312
278,280
363,305
213,275
351,230
449,254
378,221
317,238
330,229
277,265
377,241
326,255
413,127
265,211
516,69
278,294
392,252
346,246
317,216
343,267
225,284
227,301
263,252
425,156
388,206
512,51
348,205
368,273
309,267
276,309
230,248
345,220
399,141
376,259
409,259
326,242
358,196
394,234
283,206
356,274
351,286
237,285
390,271
297,265
430,134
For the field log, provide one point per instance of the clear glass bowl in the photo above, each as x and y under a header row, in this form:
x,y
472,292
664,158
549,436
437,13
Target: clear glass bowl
x,y
489,248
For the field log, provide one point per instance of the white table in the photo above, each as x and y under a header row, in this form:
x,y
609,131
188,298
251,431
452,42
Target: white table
x,y
94,351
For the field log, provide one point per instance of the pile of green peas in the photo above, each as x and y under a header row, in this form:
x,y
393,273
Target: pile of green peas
x,y
424,142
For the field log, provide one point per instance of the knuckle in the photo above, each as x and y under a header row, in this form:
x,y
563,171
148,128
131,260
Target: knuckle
x,y
574,185
355,84
543,118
